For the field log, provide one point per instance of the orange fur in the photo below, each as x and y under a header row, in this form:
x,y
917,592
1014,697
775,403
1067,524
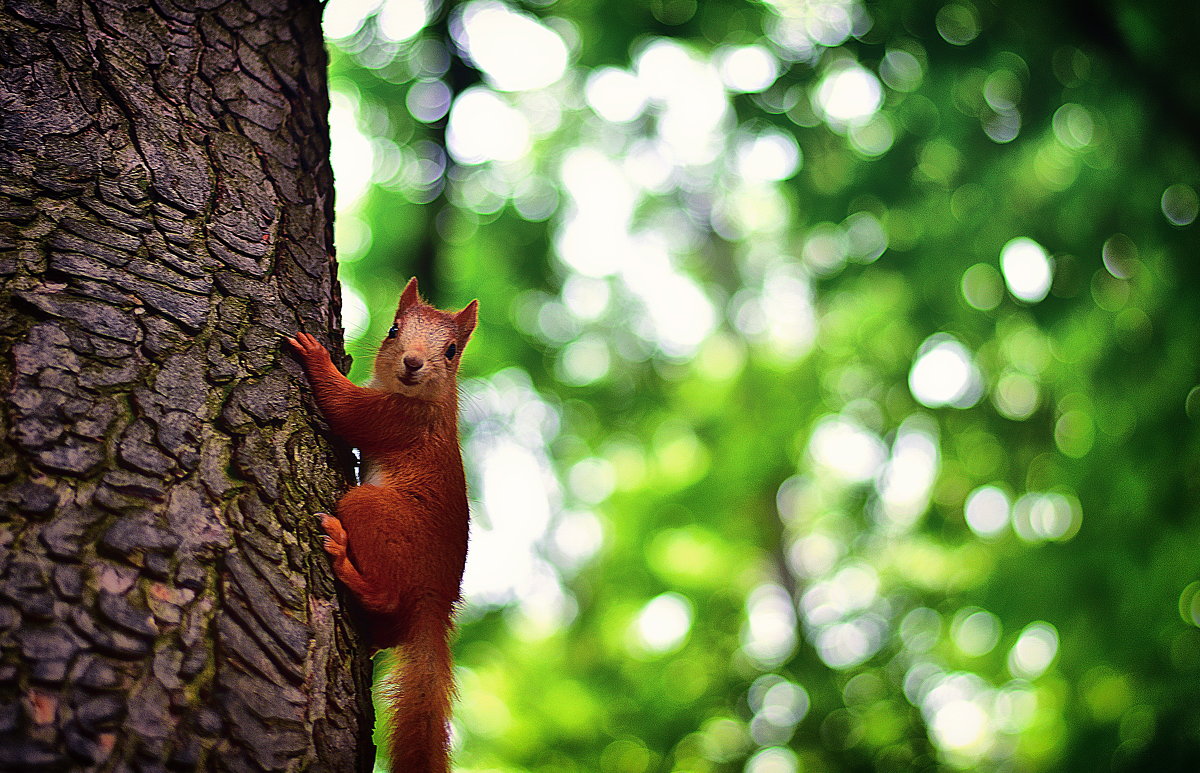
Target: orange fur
x,y
399,541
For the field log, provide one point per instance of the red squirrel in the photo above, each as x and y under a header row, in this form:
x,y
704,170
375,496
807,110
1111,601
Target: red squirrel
x,y
399,540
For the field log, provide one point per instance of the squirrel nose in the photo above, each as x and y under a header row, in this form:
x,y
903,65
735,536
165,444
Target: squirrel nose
x,y
413,362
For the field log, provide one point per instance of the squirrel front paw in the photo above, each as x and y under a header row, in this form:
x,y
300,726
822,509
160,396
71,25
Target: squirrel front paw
x,y
308,347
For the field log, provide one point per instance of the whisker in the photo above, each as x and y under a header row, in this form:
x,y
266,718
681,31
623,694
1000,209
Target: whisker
x,y
361,349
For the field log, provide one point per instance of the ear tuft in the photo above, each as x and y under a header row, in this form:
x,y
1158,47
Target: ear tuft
x,y
465,321
409,298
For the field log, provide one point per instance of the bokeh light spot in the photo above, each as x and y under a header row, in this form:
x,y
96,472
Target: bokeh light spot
x,y
778,706
987,511
1002,126
957,708
873,138
825,248
483,127
800,27
577,537
592,480
906,480
1046,516
352,238
786,703
585,361
813,555
849,94
587,298
944,374
1073,126
1027,269
958,23
769,636
1120,256
976,631
1034,651
615,94
961,726
847,449
1002,90
1189,604
866,238
514,50
774,759
1015,707
673,12
428,101
1016,396
399,20
343,18
747,69
1180,204
847,644
1074,433
901,70
769,156
514,492
625,755
1191,403
663,624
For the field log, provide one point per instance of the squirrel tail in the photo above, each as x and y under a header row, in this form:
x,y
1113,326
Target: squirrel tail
x,y
422,688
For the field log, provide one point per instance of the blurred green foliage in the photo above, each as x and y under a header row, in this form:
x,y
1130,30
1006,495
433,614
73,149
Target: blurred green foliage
x,y
834,397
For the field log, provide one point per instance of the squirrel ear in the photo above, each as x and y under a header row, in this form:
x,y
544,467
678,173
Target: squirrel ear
x,y
465,321
409,298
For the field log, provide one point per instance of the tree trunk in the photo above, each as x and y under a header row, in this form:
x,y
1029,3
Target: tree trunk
x,y
165,218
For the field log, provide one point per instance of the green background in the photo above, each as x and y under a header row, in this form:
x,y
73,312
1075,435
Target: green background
x,y
721,523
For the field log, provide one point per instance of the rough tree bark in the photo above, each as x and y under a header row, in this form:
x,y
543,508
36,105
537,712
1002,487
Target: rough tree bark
x,y
165,216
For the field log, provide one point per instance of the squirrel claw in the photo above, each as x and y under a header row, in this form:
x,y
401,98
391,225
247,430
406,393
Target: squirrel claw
x,y
333,547
333,527
306,345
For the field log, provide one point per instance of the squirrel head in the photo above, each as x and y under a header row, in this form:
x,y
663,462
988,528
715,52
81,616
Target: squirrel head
x,y
420,355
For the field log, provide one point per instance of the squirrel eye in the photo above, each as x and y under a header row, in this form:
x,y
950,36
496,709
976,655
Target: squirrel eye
x,y
393,331
451,350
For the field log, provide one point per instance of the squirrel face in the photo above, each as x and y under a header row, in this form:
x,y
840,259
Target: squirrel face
x,y
419,357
